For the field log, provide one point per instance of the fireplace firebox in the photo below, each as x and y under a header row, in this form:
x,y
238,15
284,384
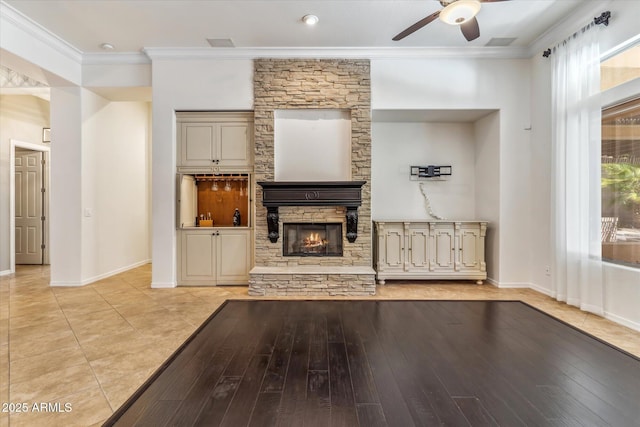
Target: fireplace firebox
x,y
312,239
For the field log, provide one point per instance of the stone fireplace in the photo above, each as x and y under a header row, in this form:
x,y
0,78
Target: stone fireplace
x,y
281,84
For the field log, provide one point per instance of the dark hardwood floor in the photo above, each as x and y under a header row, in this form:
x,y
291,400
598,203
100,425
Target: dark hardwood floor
x,y
388,363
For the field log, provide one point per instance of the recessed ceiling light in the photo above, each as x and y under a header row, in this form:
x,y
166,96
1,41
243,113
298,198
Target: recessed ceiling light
x,y
310,19
107,46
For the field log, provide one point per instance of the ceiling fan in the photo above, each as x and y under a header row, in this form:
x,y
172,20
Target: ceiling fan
x,y
455,12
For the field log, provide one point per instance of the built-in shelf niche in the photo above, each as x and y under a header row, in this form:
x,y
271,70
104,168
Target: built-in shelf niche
x,y
214,199
312,145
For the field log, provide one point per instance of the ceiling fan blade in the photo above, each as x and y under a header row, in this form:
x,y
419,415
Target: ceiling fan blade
x,y
470,29
415,27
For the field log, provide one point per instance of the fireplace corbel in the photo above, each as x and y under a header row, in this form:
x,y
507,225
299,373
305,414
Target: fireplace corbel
x,y
312,193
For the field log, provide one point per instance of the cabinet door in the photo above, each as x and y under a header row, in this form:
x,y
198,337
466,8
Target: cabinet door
x,y
442,247
187,201
198,257
418,248
391,249
233,144
198,144
469,238
234,256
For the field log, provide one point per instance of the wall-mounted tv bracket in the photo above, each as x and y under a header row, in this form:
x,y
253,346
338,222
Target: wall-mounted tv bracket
x,y
430,171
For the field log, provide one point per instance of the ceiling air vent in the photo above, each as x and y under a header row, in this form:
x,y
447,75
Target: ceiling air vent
x,y
221,42
497,41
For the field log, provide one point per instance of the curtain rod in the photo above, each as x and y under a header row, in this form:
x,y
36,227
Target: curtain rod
x,y
598,20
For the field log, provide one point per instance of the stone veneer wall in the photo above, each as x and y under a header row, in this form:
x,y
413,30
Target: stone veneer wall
x,y
323,84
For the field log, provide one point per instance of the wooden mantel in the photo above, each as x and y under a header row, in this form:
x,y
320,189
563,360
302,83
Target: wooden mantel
x,y
312,193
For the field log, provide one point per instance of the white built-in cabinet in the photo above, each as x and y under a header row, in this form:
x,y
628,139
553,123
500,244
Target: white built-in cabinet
x,y
430,250
220,142
215,256
212,144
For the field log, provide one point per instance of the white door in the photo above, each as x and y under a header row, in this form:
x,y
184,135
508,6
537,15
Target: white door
x,y
188,199
29,213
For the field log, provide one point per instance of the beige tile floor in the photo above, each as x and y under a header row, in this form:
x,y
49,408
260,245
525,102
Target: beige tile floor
x,y
92,347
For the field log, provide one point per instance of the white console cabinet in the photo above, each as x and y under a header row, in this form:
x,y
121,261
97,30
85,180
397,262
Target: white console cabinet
x,y
437,250
214,256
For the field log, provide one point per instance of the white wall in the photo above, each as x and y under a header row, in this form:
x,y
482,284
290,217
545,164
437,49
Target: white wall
x,y
115,186
540,191
487,186
622,295
22,118
66,184
504,85
187,84
623,24
99,186
397,146
471,192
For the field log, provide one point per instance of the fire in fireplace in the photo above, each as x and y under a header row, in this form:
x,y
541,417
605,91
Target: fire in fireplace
x,y
312,239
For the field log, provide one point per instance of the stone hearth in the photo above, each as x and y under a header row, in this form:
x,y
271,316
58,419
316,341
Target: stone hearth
x,y
316,84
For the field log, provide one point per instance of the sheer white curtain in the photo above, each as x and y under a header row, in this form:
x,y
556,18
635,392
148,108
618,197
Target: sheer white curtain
x,y
576,110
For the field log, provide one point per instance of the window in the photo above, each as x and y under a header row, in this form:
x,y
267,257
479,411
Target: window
x,y
620,68
621,184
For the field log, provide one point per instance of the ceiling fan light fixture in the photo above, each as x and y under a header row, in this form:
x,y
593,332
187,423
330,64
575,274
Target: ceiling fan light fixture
x,y
310,19
459,12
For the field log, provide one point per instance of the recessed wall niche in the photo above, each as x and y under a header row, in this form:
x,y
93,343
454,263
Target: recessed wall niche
x,y
312,145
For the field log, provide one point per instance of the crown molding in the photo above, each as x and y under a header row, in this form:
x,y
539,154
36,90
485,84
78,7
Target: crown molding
x,y
115,58
24,23
157,53
580,17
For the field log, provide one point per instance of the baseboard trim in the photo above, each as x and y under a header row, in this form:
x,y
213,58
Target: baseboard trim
x,y
163,285
5,272
622,321
589,308
514,285
58,284
100,276
114,272
542,290
599,311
